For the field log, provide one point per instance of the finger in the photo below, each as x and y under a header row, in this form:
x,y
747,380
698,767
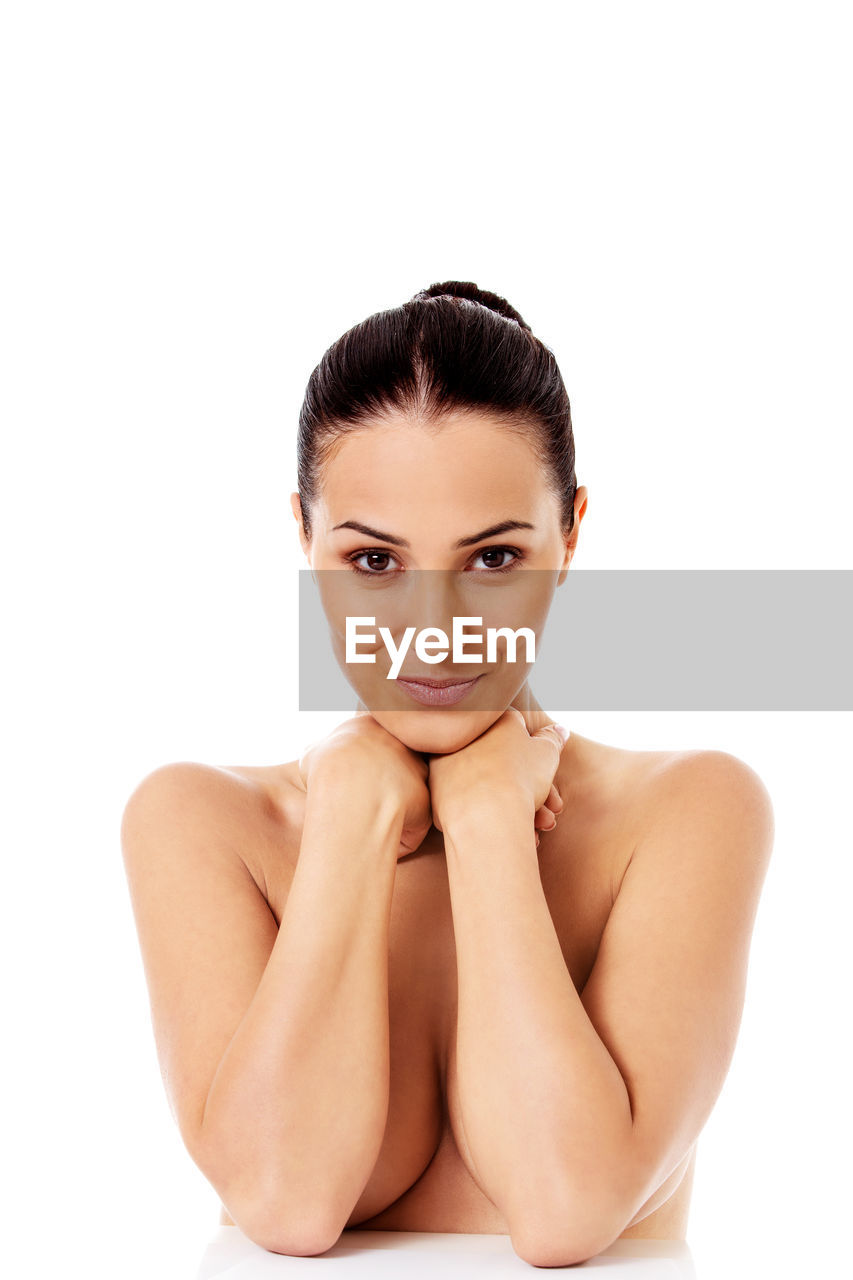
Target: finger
x,y
553,805
557,733
544,819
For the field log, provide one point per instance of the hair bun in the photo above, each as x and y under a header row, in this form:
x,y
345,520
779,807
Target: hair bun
x,y
467,289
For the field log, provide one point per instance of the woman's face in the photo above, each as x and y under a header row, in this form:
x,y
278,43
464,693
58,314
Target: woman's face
x,y
433,501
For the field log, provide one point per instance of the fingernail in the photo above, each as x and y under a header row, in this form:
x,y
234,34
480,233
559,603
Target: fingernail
x,y
563,732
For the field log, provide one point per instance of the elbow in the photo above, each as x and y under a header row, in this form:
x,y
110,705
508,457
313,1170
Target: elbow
x,y
563,1247
567,1236
294,1224
278,1220
299,1235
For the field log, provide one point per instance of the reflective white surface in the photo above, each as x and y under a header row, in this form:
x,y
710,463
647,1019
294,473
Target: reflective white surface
x,y
416,1254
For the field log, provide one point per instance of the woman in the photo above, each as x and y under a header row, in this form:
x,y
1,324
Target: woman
x,y
451,970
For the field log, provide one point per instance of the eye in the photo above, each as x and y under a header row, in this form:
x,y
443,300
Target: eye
x,y
493,568
374,570
377,561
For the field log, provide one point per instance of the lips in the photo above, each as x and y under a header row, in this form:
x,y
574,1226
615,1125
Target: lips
x,y
437,693
437,684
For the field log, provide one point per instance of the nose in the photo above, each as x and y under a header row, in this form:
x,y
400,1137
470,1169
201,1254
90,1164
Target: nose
x,y
433,598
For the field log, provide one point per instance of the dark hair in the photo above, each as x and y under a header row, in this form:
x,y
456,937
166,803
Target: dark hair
x,y
452,348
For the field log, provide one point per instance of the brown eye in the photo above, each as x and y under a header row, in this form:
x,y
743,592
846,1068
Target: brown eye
x,y
372,569
488,554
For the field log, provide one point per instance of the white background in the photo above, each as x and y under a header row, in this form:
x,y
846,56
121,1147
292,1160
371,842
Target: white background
x,y
199,198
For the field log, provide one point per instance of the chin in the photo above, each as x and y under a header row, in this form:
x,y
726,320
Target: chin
x,y
438,732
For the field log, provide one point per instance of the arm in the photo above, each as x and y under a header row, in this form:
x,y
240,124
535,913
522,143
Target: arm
x,y
575,1108
274,1045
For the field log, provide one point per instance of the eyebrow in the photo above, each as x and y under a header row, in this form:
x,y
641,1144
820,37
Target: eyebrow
x,y
504,527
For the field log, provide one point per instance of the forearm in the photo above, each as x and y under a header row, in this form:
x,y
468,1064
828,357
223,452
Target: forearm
x,y
544,1108
296,1112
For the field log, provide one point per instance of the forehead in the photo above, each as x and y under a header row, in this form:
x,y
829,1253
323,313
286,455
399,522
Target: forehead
x,y
464,462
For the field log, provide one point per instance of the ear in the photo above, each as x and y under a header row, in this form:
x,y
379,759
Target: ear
x,y
296,508
581,495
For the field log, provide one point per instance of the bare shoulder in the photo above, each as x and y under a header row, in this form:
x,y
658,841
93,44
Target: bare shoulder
x,y
243,808
638,791
711,786
212,793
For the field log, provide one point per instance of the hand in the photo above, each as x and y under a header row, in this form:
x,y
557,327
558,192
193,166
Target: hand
x,y
506,755
362,754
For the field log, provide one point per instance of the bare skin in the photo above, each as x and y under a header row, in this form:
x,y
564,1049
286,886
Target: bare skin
x,y
440,974
420,1182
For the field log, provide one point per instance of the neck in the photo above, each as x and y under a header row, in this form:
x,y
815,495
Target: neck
x,y
534,717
